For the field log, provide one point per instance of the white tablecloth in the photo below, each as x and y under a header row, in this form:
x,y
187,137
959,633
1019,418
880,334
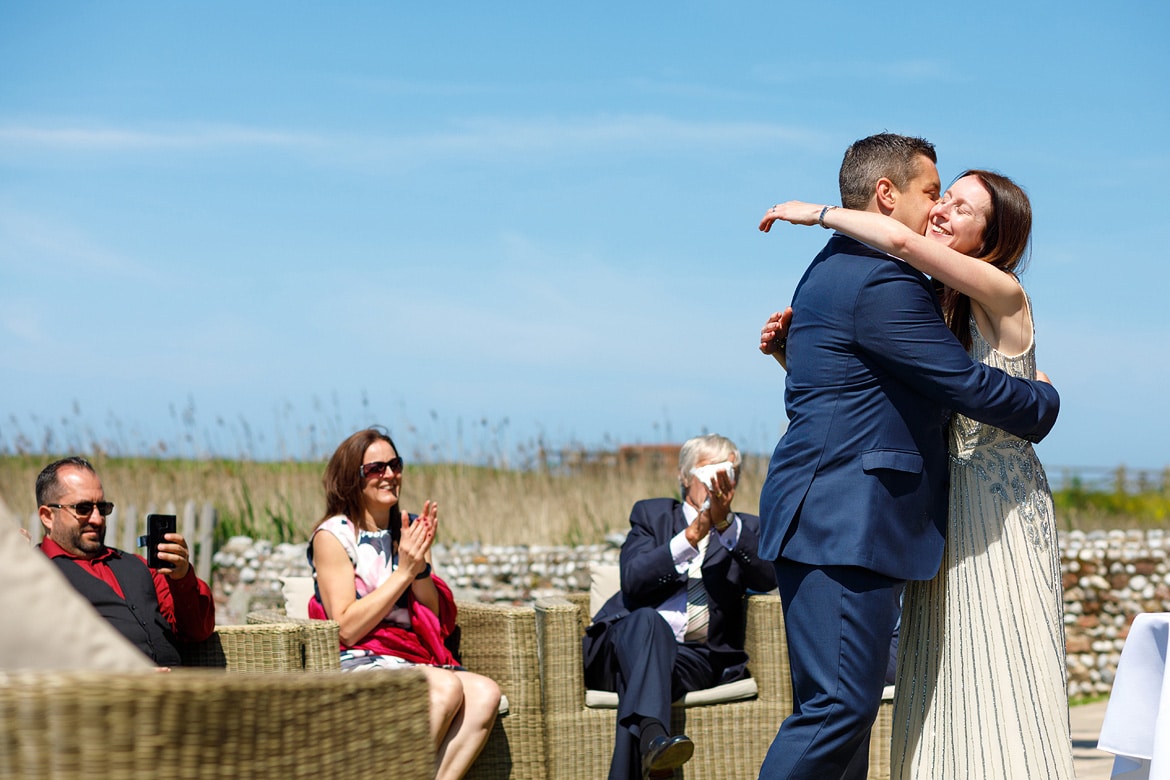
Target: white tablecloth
x,y
1137,720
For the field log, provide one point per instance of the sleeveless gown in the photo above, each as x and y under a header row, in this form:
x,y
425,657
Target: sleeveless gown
x,y
982,690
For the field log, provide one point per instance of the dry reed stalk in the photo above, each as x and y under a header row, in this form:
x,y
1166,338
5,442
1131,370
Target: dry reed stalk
x,y
283,501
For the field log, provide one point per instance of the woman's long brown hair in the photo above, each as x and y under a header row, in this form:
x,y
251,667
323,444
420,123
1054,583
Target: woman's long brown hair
x,y
1005,243
343,479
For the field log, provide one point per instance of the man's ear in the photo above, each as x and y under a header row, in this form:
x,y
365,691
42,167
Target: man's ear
x,y
46,515
886,194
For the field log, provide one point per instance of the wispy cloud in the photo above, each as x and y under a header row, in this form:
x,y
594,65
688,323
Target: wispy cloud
x,y
627,131
860,72
466,137
46,247
81,138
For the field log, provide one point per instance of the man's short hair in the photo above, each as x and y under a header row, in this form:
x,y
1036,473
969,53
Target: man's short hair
x,y
713,446
48,488
885,155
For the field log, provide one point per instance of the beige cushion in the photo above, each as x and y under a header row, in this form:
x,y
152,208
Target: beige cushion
x,y
732,691
47,625
297,591
605,579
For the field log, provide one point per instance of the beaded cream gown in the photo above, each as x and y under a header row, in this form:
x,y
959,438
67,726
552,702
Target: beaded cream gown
x,y
981,690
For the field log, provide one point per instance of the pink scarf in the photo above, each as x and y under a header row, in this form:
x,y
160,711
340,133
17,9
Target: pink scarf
x,y
422,643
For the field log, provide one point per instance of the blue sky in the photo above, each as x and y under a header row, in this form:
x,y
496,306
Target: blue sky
x,y
251,227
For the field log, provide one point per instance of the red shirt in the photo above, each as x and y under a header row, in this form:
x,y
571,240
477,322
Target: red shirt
x,y
186,603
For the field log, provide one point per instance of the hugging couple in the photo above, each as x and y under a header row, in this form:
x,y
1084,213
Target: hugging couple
x,y
906,486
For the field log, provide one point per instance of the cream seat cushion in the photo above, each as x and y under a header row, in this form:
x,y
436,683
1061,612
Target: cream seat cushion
x,y
47,624
604,581
296,591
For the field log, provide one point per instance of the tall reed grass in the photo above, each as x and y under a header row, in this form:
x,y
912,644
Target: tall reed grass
x,y
490,489
490,505
552,504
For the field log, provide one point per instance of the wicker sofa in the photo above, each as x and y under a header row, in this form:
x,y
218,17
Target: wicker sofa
x,y
498,641
196,723
535,656
749,725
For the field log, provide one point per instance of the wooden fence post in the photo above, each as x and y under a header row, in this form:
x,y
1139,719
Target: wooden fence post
x,y
207,520
122,531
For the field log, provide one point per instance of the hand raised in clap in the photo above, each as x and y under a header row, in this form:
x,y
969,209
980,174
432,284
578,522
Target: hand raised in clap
x,y
414,546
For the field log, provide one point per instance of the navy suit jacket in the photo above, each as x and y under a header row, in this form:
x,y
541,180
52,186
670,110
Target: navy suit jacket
x,y
649,578
860,476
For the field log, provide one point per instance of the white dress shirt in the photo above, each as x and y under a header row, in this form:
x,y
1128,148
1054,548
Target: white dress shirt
x,y
674,609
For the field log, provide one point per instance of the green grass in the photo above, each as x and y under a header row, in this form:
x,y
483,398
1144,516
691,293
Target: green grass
x,y
1126,503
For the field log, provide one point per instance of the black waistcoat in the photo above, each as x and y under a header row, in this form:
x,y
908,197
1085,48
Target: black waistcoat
x,y
136,616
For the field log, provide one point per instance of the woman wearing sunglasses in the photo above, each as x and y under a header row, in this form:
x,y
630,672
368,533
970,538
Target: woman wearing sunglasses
x,y
372,565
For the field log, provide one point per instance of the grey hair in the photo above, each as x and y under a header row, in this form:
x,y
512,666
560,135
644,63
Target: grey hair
x,y
712,445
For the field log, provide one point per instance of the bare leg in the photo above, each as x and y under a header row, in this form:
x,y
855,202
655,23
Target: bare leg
x,y
469,729
446,702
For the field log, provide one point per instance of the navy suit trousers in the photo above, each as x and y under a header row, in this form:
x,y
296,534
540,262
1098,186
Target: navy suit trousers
x,y
838,620
639,658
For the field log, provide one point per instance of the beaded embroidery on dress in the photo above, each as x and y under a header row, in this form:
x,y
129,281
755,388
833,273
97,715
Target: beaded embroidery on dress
x,y
982,689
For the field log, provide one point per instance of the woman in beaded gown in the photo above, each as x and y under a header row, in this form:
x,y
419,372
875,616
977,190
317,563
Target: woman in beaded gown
x,y
981,692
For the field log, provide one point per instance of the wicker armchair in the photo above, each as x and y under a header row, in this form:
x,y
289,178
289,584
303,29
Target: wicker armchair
x,y
750,725
499,642
201,724
496,641
260,648
319,638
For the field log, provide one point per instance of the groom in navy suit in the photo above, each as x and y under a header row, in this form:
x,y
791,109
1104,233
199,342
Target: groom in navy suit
x,y
854,503
677,625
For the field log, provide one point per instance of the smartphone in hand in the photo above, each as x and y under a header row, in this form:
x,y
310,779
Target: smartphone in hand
x,y
157,527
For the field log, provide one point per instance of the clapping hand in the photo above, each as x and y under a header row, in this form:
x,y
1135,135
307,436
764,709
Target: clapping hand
x,y
415,543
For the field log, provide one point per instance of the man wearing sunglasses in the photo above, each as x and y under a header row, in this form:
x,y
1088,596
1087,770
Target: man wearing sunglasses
x,y
155,609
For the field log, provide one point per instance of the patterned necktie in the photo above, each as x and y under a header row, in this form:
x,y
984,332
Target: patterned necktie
x,y
697,597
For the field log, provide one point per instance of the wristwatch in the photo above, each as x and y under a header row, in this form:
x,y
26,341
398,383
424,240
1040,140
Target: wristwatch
x,y
726,522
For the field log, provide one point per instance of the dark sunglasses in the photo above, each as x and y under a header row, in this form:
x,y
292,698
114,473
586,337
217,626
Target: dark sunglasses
x,y
378,467
85,508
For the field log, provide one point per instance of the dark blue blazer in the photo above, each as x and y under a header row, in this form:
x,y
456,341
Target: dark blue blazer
x,y
860,476
649,577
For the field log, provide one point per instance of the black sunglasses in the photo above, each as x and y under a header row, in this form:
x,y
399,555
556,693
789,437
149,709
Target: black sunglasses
x,y
378,467
85,508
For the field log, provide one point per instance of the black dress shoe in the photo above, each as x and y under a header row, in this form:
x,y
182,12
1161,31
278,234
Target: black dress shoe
x,y
666,754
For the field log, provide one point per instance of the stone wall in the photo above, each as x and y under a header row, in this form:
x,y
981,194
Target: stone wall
x,y
1109,577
